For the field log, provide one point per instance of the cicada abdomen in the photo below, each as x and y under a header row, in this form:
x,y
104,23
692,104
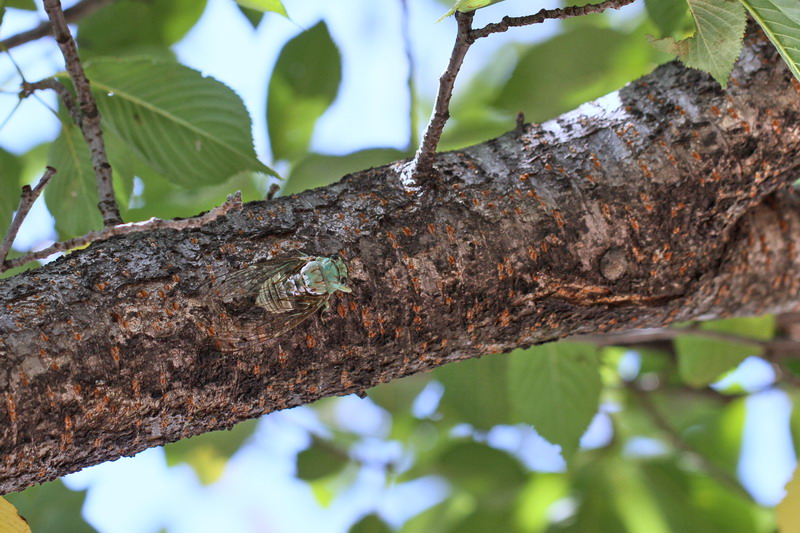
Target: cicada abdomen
x,y
280,293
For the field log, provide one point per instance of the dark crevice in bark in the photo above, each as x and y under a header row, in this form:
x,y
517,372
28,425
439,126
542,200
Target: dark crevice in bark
x,y
667,201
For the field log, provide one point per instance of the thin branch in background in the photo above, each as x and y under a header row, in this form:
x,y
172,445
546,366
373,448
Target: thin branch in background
x,y
90,123
547,14
465,37
233,203
73,14
426,154
26,201
67,99
413,103
710,468
649,335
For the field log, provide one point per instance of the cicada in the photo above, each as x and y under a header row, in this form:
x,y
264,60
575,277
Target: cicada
x,y
276,295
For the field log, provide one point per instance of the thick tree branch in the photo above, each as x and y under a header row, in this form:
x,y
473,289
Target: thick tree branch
x,y
669,200
90,116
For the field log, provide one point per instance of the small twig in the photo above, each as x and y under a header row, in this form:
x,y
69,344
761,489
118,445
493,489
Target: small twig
x,y
26,201
643,336
422,166
679,443
67,99
405,29
90,116
233,203
73,14
273,190
546,14
426,154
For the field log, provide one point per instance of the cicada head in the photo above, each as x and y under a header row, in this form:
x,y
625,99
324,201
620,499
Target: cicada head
x,y
334,272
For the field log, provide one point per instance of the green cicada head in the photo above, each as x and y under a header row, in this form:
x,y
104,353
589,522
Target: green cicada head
x,y
334,272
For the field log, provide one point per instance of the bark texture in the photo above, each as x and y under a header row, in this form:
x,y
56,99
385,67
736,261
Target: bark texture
x,y
669,200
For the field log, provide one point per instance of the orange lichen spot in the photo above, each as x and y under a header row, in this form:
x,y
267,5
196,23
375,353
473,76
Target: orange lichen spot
x,y
524,176
595,160
136,386
101,286
11,407
559,218
532,253
470,328
548,166
161,294
646,202
176,278
44,337
341,310
407,231
715,110
634,224
732,112
54,366
505,318
142,294
431,229
392,239
193,240
78,336
645,169
77,389
176,306
311,342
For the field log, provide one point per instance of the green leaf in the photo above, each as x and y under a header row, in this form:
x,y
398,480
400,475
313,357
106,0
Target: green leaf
x,y
71,195
702,360
51,507
10,170
670,16
717,41
482,470
191,129
303,85
398,396
370,524
276,6
780,20
556,388
316,170
475,391
320,460
208,453
466,6
788,511
27,5
133,27
576,66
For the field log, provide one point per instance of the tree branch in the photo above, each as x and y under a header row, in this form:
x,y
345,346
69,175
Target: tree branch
x,y
667,201
73,14
90,116
233,203
28,197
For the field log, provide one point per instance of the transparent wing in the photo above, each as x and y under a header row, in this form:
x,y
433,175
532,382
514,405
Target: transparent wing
x,y
245,282
251,333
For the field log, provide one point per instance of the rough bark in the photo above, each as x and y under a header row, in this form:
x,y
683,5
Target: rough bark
x,y
669,200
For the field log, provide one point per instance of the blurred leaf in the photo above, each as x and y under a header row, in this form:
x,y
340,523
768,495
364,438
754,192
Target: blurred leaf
x,y
441,517
481,470
576,66
475,391
483,520
51,507
208,453
275,6
780,20
717,433
788,511
320,460
10,519
672,17
191,129
71,195
717,42
10,171
756,327
370,524
556,388
134,27
254,17
303,85
702,360
466,6
398,396
316,170
541,491
28,5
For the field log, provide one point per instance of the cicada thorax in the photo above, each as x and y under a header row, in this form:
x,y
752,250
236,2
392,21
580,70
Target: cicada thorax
x,y
282,295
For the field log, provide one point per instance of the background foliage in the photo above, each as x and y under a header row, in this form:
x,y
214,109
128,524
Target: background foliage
x,y
560,437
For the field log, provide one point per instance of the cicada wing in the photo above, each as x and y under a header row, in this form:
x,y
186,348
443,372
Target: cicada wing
x,y
245,282
250,334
